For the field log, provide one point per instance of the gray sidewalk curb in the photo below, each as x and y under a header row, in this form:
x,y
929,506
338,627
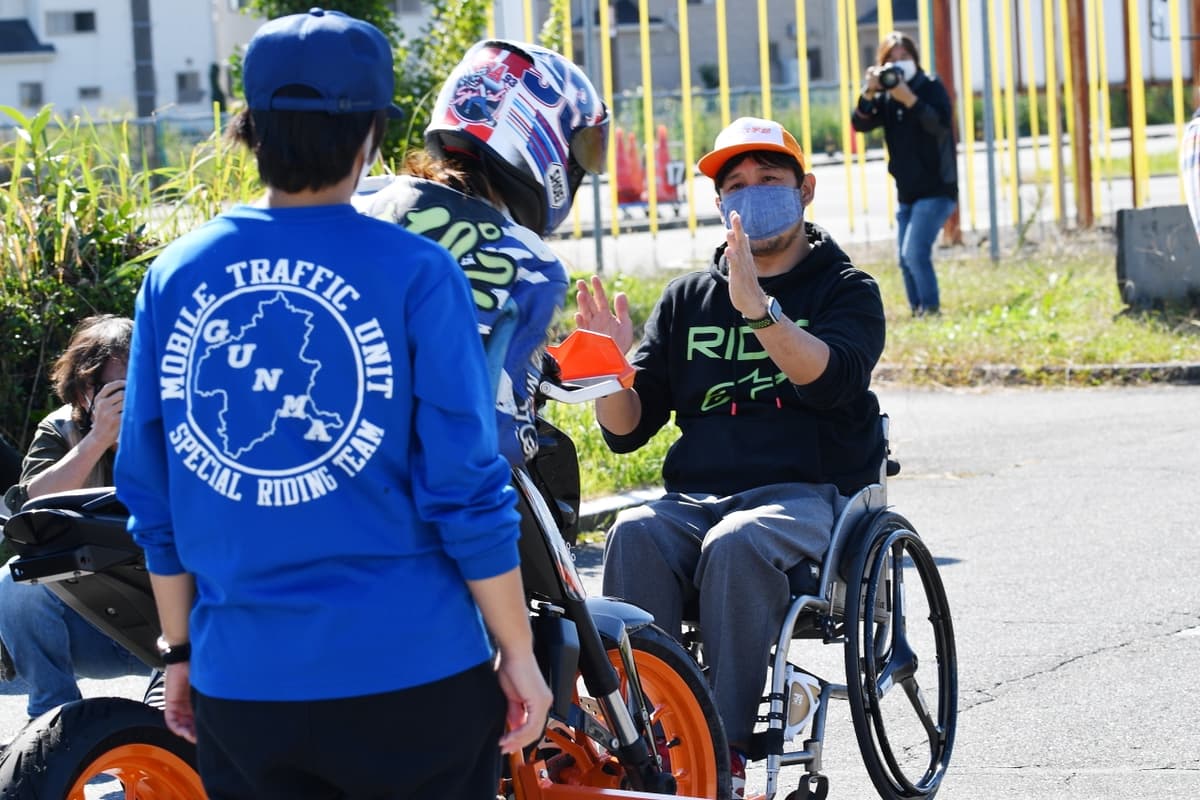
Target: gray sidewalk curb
x,y
599,514
1176,372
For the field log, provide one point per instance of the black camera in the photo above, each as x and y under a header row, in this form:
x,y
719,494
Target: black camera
x,y
889,76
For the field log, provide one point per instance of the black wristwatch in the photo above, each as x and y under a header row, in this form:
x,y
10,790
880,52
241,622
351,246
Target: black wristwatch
x,y
173,653
774,314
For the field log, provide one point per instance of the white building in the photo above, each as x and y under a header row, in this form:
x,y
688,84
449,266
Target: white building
x,y
111,57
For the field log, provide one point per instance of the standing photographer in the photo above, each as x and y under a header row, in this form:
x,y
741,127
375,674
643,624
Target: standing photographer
x,y
914,110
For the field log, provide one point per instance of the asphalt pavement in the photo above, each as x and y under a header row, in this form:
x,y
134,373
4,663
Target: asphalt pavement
x,y
1066,526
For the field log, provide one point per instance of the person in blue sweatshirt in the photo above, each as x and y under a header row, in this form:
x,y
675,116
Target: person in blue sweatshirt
x,y
310,461
489,192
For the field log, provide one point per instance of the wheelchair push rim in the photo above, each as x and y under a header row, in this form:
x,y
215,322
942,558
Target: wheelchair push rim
x,y
897,663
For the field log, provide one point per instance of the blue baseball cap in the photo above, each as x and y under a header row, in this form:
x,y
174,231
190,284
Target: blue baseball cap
x,y
347,61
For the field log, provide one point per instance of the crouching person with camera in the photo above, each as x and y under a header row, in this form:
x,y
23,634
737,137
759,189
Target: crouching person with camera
x,y
45,643
914,110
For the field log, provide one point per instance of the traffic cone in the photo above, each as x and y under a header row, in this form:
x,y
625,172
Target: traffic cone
x,y
636,170
628,190
667,191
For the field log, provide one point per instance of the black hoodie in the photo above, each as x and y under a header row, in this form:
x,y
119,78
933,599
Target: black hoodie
x,y
922,156
742,423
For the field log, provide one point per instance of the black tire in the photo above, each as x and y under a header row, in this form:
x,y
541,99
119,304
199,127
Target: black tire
x,y
60,751
687,729
905,743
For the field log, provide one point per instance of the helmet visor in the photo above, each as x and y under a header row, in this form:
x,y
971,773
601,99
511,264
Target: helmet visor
x,y
589,146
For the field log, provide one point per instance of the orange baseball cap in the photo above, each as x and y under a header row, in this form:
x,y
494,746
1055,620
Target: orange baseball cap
x,y
750,133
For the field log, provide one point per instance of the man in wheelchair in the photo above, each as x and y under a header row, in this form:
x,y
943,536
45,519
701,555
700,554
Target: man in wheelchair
x,y
765,360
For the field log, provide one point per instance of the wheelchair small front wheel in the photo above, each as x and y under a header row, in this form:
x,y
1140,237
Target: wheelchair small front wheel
x,y
901,666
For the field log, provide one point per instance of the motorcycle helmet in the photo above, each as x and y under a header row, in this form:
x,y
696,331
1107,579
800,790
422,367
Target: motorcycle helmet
x,y
532,118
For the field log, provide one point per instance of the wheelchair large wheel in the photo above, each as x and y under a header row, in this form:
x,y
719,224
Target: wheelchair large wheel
x,y
689,737
92,746
902,674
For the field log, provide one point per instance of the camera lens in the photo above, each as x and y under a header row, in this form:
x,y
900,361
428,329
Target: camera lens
x,y
889,77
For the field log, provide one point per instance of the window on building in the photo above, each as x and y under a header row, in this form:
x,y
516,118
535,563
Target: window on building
x,y
237,5
59,23
188,88
407,6
814,64
30,94
89,92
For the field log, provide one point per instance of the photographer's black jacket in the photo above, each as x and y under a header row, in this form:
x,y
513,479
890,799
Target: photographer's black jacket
x,y
742,423
921,153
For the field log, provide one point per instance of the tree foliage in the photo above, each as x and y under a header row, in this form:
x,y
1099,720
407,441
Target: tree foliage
x,y
65,236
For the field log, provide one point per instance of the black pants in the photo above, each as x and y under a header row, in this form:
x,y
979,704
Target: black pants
x,y
439,740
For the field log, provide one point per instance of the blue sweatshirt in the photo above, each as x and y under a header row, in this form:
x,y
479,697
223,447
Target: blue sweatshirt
x,y
308,432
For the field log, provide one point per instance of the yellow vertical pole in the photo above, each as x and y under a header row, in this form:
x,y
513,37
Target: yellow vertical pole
x,y
1068,101
569,52
528,13
968,96
491,20
685,93
764,59
843,95
887,23
722,64
606,69
1010,111
648,118
999,136
1094,97
855,71
1052,115
1173,12
1031,89
1137,106
1102,74
925,31
802,78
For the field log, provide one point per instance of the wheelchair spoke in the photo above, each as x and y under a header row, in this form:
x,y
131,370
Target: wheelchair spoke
x,y
901,667
917,698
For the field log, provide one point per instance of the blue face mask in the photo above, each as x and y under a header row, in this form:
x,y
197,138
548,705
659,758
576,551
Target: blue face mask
x,y
766,211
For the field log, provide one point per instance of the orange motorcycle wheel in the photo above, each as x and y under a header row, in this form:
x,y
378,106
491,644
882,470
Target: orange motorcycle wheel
x,y
94,746
688,735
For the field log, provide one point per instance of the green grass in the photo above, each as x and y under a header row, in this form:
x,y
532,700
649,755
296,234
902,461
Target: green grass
x,y
1048,312
1161,163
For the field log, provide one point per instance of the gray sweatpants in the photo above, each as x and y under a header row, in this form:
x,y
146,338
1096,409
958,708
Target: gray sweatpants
x,y
733,552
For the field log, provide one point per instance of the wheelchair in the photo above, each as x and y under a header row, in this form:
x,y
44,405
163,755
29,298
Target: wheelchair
x,y
901,678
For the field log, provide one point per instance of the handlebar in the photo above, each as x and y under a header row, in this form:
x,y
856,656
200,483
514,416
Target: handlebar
x,y
590,365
